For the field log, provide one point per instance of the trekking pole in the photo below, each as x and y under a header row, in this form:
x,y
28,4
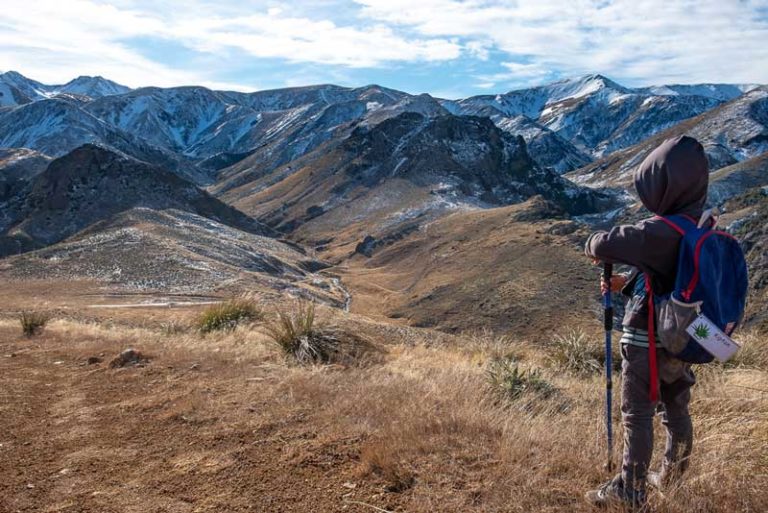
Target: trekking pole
x,y
608,323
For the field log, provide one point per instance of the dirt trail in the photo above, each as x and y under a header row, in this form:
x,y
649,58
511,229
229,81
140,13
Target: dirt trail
x,y
178,435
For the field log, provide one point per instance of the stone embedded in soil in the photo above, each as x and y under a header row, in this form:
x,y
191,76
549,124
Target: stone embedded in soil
x,y
128,357
93,360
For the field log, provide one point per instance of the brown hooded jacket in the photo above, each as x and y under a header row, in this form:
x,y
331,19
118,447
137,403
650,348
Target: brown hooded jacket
x,y
672,180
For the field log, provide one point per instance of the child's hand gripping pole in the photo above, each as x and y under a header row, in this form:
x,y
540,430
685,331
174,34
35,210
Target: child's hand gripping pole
x,y
608,325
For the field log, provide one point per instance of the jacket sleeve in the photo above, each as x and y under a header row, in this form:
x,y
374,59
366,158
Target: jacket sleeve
x,y
626,244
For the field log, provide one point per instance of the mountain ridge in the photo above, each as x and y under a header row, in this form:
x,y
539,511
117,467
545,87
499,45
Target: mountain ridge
x,y
566,122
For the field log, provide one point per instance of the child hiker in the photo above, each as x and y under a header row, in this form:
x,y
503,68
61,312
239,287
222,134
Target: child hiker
x,y
672,180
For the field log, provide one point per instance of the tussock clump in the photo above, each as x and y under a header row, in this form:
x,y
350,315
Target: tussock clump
x,y
300,338
33,322
379,460
578,353
174,327
509,381
227,316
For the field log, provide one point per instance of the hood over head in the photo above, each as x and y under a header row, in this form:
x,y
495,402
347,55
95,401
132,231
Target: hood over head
x,y
673,178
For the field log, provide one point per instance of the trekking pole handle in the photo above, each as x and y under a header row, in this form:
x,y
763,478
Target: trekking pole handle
x,y
607,299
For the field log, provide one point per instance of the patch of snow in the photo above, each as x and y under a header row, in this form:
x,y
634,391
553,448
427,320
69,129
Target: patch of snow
x,y
399,165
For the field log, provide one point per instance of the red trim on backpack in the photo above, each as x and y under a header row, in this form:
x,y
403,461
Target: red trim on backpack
x,y
688,292
652,368
691,219
673,225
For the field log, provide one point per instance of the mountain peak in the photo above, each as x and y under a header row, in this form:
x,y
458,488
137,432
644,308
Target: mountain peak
x,y
595,82
95,87
14,74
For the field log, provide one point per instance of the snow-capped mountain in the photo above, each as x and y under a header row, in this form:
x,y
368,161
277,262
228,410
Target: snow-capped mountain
x,y
722,92
200,132
92,87
596,115
31,89
731,133
547,148
56,126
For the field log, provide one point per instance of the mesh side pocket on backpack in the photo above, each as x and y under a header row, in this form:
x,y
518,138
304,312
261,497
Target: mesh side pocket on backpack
x,y
672,319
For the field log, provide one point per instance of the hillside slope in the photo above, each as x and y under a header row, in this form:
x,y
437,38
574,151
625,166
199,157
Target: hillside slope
x,y
175,251
91,184
517,269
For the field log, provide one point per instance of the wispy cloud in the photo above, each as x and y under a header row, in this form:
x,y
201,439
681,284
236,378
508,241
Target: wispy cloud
x,y
299,39
433,45
641,42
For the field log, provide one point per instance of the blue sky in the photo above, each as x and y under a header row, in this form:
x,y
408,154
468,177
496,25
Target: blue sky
x,y
449,48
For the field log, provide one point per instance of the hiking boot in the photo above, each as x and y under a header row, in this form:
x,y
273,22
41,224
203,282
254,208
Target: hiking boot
x,y
613,493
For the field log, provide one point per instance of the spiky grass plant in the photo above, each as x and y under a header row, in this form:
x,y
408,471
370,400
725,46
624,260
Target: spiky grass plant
x,y
511,382
302,339
33,322
228,315
296,335
576,352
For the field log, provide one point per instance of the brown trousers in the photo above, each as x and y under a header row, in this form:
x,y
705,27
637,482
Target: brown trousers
x,y
676,380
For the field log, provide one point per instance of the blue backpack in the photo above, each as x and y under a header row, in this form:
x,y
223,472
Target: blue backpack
x,y
711,280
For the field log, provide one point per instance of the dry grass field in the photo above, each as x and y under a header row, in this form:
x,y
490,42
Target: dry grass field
x,y
423,422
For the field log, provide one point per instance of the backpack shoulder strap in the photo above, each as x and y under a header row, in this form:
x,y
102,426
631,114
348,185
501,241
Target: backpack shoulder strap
x,y
682,224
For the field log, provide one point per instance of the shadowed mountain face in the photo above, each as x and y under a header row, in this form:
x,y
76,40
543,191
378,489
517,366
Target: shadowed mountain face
x,y
91,184
747,218
17,167
400,174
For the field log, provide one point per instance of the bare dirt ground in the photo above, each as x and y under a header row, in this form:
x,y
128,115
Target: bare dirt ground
x,y
191,431
224,423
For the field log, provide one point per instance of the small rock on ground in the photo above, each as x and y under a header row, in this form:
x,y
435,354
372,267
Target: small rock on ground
x,y
128,358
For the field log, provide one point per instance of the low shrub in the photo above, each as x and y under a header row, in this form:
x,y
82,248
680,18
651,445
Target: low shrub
x,y
228,315
33,322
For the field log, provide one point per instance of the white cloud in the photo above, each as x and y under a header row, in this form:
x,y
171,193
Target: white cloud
x,y
517,74
653,41
648,41
299,39
53,40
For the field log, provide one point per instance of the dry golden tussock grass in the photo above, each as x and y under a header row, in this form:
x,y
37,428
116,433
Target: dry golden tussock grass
x,y
428,427
434,428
